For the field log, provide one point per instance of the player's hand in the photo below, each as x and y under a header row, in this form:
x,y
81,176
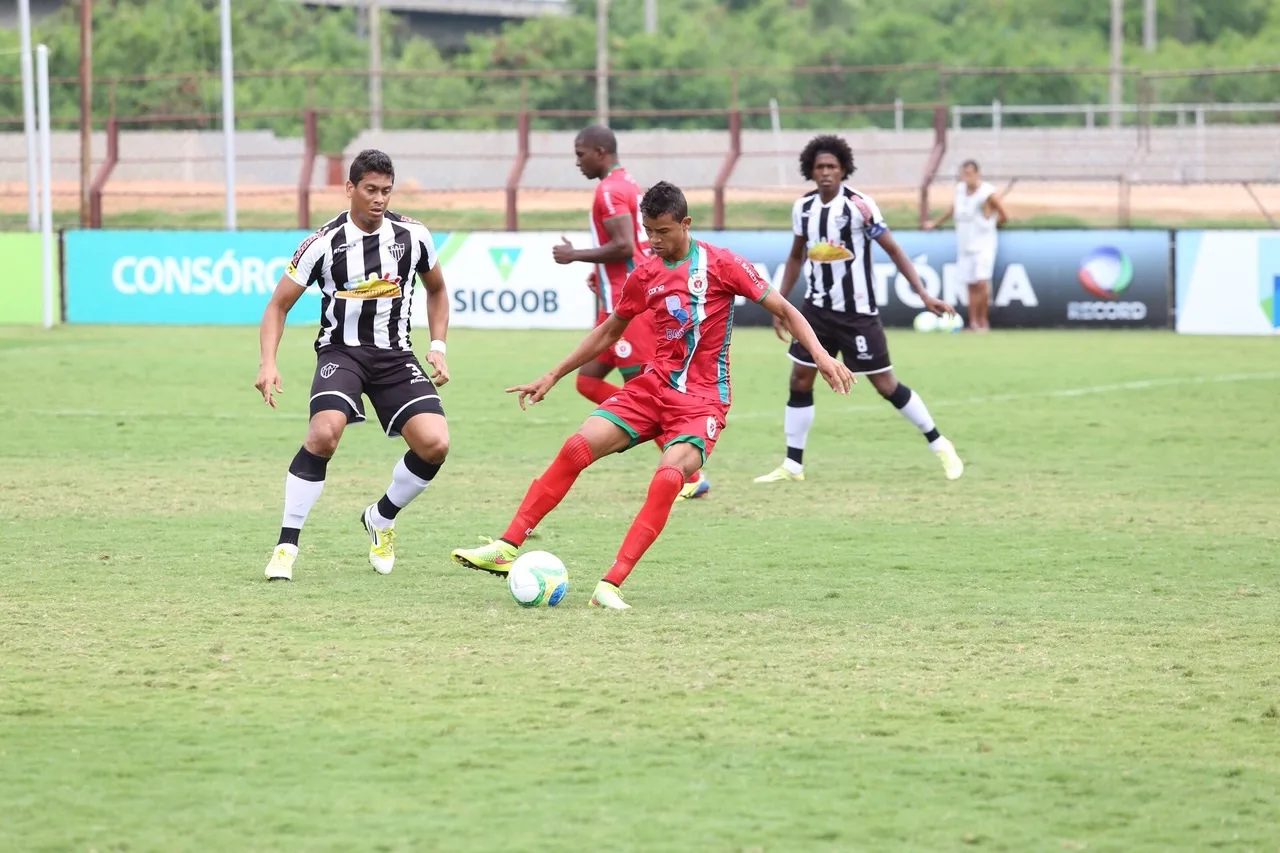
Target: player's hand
x,y
836,373
780,329
268,381
535,390
593,283
928,226
937,306
563,253
439,370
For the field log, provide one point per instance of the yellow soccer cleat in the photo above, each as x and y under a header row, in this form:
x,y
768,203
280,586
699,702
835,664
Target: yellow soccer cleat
x,y
696,489
951,462
493,557
280,568
781,475
609,597
382,543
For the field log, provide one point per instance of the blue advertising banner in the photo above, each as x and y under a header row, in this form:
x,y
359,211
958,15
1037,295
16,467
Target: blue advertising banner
x,y
1100,279
178,276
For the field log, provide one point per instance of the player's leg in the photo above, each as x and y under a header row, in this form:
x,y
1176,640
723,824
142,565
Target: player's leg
x,y
598,436
797,418
408,405
688,439
590,381
911,407
335,402
979,303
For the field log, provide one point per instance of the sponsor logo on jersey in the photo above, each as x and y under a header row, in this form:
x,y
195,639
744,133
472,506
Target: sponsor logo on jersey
x,y
824,252
386,285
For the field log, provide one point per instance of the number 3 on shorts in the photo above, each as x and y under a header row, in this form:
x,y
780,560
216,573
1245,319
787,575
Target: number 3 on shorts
x,y
861,343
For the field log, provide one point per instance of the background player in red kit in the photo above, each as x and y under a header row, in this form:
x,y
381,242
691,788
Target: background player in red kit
x,y
681,399
619,246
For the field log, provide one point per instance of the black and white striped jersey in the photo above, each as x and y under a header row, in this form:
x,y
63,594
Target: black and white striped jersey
x,y
838,237
365,280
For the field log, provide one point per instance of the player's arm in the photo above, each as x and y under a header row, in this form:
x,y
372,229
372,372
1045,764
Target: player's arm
x,y
437,322
621,246
939,222
908,270
997,207
790,275
600,339
836,374
303,269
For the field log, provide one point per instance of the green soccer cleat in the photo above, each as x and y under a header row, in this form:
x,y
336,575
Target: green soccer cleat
x,y
696,489
280,568
382,542
494,557
609,597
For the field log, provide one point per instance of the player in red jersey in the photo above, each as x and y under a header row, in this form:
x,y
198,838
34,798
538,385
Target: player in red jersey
x,y
618,246
681,399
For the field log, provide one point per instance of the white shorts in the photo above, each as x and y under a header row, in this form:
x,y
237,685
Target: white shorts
x,y
976,266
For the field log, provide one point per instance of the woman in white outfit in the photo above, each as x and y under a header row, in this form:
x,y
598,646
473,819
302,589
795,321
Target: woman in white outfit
x,y
978,213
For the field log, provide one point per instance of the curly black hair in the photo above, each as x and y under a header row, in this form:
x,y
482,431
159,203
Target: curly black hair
x,y
826,144
662,198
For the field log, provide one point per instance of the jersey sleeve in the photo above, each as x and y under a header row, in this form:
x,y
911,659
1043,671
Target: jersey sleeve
x,y
611,200
427,248
307,263
873,224
744,279
632,300
797,227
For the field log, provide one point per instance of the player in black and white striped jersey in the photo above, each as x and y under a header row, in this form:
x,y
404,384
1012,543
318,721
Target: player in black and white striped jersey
x,y
364,261
833,227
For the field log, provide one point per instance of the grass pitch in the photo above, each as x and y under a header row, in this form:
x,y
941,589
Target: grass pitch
x,y
1073,647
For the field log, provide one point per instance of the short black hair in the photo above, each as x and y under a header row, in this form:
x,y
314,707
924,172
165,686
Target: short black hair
x,y
371,160
973,163
664,197
599,136
826,144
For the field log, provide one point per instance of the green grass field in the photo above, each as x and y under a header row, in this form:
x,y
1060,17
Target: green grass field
x,y
1073,647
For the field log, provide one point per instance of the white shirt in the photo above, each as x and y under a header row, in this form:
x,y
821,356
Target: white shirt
x,y
975,230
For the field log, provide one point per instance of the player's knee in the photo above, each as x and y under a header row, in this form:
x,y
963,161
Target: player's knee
x,y
802,379
323,437
432,447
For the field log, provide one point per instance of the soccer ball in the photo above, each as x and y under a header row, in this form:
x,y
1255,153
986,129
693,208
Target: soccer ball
x,y
926,321
950,323
538,578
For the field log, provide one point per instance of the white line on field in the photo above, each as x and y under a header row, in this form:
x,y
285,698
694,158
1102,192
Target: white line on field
x,y
1135,385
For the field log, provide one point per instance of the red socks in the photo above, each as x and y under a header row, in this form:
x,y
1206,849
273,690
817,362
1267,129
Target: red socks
x,y
548,490
595,390
663,489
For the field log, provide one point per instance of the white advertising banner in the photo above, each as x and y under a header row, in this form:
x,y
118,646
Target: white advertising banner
x,y
506,280
1228,282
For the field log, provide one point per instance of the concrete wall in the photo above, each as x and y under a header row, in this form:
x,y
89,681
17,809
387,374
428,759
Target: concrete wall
x,y
460,160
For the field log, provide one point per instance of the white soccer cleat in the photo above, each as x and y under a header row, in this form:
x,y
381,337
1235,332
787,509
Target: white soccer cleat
x,y
609,597
280,568
382,543
951,462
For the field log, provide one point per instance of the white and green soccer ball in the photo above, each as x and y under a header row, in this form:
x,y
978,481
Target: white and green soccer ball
x,y
538,579
925,321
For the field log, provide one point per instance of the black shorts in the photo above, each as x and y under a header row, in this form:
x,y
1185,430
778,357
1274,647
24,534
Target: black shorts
x,y
393,380
858,337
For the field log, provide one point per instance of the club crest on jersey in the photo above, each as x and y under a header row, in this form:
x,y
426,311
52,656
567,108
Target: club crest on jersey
x,y
840,222
622,348
698,283
375,286
396,250
711,427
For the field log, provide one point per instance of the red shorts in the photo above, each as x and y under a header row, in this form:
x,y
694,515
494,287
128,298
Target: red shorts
x,y
647,408
635,348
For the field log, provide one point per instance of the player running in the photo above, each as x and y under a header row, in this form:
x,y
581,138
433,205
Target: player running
x,y
978,213
364,261
834,226
619,246
681,399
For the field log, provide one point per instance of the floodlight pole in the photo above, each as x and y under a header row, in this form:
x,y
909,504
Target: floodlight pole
x,y
46,191
375,67
228,116
28,112
86,108
602,62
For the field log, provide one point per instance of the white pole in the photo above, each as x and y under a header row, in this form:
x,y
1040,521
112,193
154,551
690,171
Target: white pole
x,y
28,112
776,120
375,67
602,62
898,118
46,180
228,116
650,16
1117,43
1149,25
